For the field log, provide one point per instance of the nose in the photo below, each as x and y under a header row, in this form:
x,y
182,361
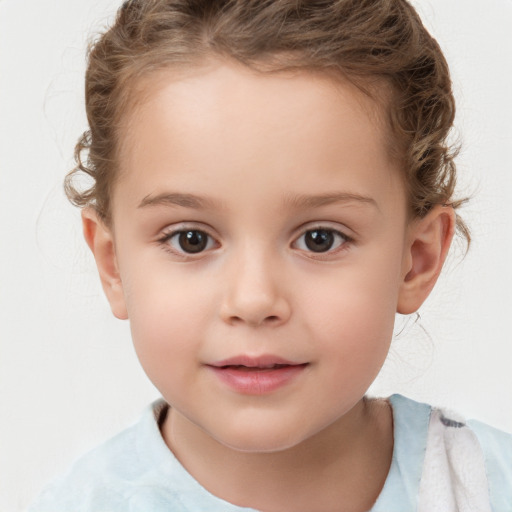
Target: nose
x,y
254,292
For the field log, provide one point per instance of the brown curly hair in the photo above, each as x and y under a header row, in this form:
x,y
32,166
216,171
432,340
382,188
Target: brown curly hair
x,y
368,42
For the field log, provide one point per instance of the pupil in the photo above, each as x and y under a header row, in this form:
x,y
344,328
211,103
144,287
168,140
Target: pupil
x,y
193,241
319,240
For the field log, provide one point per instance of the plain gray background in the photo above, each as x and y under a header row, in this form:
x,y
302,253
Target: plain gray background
x,y
68,375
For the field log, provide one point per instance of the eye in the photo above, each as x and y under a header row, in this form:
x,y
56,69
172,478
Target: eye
x,y
321,240
189,241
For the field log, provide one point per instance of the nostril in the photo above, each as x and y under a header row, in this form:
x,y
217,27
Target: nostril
x,y
271,319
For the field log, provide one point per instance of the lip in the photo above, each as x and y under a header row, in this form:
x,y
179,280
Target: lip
x,y
256,375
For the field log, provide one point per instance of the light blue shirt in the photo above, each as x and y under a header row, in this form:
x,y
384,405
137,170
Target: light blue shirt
x,y
136,472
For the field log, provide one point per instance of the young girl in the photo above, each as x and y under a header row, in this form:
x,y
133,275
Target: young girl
x,y
271,185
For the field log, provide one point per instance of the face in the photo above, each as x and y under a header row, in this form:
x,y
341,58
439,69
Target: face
x,y
259,231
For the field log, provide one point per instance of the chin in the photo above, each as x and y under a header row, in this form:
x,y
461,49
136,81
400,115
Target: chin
x,y
254,440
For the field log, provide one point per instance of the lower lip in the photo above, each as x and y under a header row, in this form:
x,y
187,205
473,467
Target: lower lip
x,y
258,382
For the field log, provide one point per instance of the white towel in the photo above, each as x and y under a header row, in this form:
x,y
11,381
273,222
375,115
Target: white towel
x,y
454,477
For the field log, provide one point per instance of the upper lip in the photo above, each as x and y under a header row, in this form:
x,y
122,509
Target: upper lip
x,y
263,361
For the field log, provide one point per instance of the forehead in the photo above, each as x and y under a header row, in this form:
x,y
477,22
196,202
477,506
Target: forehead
x,y
224,119
213,84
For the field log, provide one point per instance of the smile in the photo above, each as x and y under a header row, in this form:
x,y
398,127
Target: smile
x,y
256,376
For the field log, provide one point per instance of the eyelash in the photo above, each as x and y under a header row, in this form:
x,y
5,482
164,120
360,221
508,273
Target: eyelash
x,y
342,240
165,241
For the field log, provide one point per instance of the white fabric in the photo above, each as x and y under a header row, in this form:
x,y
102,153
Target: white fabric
x,y
454,477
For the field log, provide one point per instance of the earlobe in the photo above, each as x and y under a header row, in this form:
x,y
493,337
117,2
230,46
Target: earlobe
x,y
426,250
100,240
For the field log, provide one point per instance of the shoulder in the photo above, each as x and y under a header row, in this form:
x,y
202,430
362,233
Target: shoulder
x,y
132,472
496,443
465,462
98,480
496,446
113,476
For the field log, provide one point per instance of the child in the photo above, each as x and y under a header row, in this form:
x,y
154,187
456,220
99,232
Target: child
x,y
271,184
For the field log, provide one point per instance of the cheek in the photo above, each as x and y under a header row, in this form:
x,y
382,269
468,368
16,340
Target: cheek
x,y
355,341
353,312
167,344
164,318
356,326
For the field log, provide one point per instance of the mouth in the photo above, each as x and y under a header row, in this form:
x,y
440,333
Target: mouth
x,y
243,368
263,362
257,375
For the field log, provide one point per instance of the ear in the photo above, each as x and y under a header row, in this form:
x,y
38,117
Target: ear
x,y
427,247
100,240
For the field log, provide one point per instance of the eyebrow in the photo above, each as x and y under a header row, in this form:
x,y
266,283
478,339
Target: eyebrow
x,y
178,199
298,201
316,201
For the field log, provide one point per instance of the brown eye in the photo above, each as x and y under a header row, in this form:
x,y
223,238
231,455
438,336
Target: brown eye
x,y
187,241
321,240
192,241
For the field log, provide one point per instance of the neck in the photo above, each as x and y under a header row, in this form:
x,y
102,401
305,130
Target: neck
x,y
346,463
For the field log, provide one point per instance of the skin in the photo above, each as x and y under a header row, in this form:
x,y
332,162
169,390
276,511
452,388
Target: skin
x,y
270,157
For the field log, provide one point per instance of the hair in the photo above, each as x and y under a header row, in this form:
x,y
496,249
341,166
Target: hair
x,y
368,42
